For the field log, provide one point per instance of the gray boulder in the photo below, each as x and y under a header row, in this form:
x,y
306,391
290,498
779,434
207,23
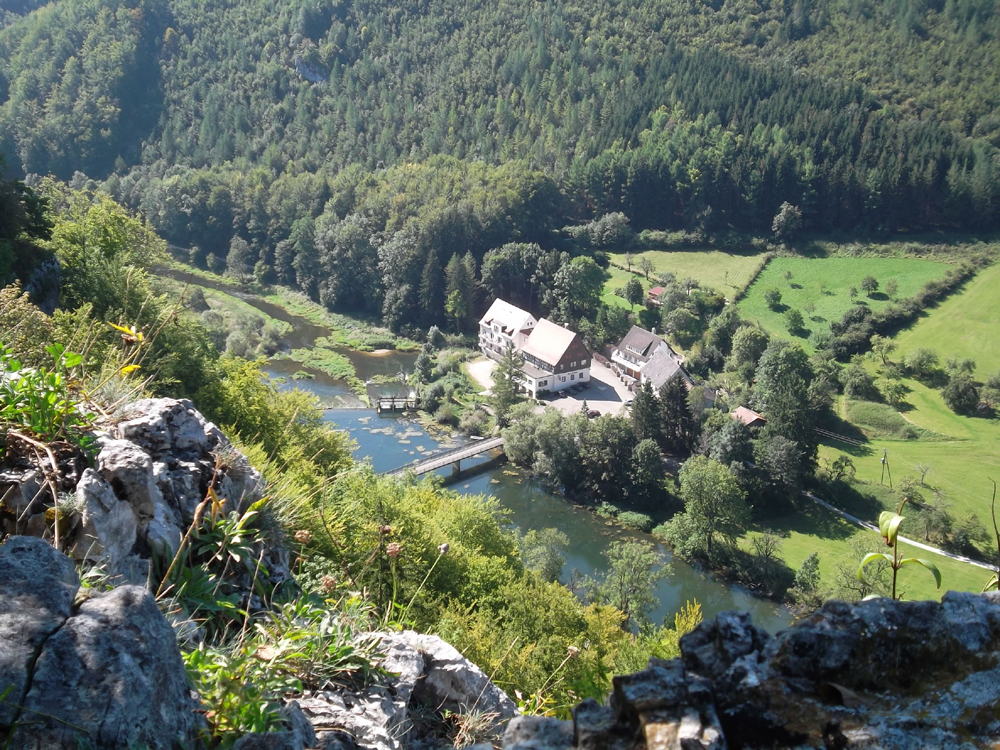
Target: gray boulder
x,y
424,670
107,525
450,680
112,677
129,470
37,586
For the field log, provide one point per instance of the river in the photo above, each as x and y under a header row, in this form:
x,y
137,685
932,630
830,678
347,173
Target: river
x,y
392,440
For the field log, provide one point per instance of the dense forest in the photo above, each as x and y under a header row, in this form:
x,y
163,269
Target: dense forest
x,y
320,135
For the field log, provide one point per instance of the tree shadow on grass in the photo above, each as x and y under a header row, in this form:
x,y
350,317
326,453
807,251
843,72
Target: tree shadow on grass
x,y
817,319
795,286
881,296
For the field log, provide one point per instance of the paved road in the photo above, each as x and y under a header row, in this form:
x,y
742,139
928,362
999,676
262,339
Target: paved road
x,y
865,525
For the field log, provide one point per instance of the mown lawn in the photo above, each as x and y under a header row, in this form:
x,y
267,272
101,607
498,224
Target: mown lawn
x,y
965,325
819,288
815,529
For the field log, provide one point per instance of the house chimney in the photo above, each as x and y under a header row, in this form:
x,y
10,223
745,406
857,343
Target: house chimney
x,y
653,331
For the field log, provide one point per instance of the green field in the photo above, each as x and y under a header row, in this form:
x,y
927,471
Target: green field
x,y
825,284
727,273
964,325
815,529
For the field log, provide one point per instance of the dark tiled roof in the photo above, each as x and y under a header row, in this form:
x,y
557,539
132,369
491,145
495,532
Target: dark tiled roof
x,y
662,367
641,343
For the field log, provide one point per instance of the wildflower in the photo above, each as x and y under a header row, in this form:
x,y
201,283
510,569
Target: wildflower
x,y
303,536
443,549
572,652
393,550
328,584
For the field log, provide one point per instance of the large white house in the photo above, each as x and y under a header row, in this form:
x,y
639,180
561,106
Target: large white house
x,y
504,325
554,358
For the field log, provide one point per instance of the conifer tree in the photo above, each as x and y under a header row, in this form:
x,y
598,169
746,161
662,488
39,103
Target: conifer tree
x,y
679,429
646,418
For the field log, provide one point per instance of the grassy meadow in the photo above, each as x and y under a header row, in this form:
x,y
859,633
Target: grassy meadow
x,y
965,325
820,288
728,273
815,529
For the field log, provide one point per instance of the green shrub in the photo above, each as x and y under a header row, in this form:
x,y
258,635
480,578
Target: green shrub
x,y
880,420
606,510
634,520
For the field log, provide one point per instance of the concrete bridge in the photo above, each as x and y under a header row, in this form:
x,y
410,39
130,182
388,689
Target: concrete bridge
x,y
455,456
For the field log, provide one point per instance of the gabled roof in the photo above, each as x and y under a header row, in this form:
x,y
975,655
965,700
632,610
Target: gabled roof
x,y
549,342
656,291
641,343
662,368
747,416
510,318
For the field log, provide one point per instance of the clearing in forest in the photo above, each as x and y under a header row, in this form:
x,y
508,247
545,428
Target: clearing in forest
x,y
726,273
820,289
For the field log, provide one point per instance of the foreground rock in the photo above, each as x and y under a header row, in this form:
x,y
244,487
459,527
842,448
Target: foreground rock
x,y
104,674
877,674
154,466
430,676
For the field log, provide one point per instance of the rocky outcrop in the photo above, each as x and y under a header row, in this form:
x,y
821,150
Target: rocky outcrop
x,y
877,674
426,672
153,467
104,672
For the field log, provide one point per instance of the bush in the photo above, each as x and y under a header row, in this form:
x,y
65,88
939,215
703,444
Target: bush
x,y
606,510
474,422
634,520
961,394
445,414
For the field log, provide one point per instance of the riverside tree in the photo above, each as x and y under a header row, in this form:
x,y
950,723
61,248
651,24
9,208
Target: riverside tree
x,y
506,383
714,506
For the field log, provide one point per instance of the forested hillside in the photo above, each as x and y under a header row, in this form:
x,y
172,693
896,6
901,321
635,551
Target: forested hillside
x,y
234,123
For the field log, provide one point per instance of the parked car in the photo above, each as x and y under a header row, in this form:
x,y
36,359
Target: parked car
x,y
593,413
628,403
586,384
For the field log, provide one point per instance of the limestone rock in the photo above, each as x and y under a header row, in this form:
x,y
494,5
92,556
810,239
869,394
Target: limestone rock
x,y
877,674
129,471
424,670
450,680
108,525
36,598
111,676
169,426
539,732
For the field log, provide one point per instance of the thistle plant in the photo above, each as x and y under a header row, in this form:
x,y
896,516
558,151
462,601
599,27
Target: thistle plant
x,y
888,525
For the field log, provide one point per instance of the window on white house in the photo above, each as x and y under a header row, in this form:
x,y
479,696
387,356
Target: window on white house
x,y
572,376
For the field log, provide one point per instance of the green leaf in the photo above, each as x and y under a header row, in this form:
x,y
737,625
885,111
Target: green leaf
x,y
993,583
927,564
893,529
883,522
868,558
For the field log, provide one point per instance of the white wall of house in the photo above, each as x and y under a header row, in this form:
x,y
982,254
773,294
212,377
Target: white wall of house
x,y
554,382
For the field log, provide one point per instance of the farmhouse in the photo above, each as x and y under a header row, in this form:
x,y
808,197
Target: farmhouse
x,y
554,358
663,367
636,350
653,295
504,325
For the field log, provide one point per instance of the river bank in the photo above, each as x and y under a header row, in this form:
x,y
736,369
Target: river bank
x,y
392,440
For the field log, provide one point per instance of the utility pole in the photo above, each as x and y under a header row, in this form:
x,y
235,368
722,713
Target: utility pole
x,y
885,467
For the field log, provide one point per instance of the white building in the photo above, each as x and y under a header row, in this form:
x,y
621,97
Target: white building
x,y
554,358
504,325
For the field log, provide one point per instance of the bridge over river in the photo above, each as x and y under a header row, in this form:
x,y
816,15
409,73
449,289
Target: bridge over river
x,y
455,456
